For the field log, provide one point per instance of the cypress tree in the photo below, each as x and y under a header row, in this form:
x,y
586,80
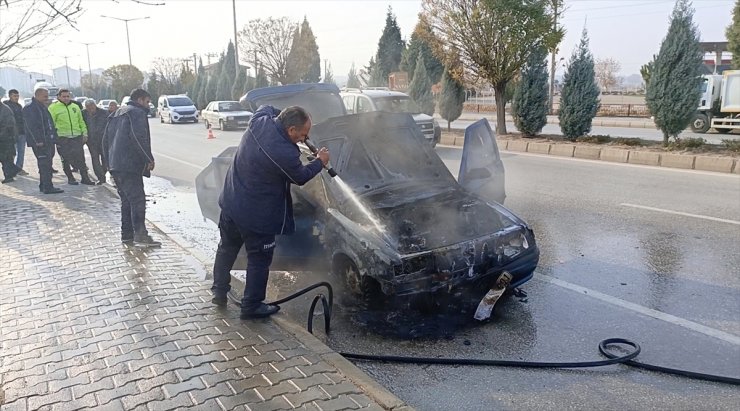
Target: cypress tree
x,y
579,100
241,81
353,80
420,88
223,88
295,63
328,74
311,50
261,80
530,103
673,91
453,98
390,48
419,44
211,89
733,36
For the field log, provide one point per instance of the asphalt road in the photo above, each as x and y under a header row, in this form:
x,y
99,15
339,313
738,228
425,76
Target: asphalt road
x,y
617,261
643,133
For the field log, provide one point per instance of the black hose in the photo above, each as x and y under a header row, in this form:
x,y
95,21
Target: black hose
x,y
626,359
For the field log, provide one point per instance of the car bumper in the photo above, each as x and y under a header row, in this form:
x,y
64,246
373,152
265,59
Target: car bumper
x,y
522,269
237,123
179,118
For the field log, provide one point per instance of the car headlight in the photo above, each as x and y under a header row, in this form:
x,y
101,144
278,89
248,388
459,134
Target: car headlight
x,y
229,118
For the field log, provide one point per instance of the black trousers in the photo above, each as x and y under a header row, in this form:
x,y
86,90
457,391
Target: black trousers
x,y
73,154
259,247
99,164
44,156
10,170
130,188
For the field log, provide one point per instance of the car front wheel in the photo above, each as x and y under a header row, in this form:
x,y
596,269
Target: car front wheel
x,y
221,125
700,123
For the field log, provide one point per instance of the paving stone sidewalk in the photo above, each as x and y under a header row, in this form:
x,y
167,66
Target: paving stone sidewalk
x,y
87,322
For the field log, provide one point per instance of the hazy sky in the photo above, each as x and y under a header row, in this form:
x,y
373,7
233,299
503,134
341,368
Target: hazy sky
x,y
346,31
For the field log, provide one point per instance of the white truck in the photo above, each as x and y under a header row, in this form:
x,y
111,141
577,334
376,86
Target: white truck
x,y
719,105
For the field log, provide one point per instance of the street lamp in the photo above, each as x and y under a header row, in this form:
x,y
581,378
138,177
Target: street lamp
x,y
128,40
89,67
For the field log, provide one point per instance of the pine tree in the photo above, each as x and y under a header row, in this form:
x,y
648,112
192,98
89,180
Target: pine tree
x,y
420,88
228,65
313,60
152,86
579,100
453,98
328,74
198,85
239,84
390,49
186,80
223,89
733,36
530,104
296,62
353,80
261,80
419,44
673,92
211,91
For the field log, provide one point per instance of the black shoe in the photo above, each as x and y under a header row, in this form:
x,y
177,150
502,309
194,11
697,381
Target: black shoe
x,y
88,182
220,300
262,311
100,182
146,242
54,171
53,190
73,182
22,172
8,180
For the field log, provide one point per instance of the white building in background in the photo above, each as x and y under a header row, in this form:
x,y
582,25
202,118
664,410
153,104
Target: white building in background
x,y
21,80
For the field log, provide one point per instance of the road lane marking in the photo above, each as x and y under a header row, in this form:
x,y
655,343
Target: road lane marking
x,y
681,213
681,322
195,166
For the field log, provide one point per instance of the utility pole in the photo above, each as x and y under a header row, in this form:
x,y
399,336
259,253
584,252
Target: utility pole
x,y
128,40
209,55
236,44
195,65
255,63
554,52
66,66
89,67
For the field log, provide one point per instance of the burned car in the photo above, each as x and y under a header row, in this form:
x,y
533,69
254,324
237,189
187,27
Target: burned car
x,y
395,219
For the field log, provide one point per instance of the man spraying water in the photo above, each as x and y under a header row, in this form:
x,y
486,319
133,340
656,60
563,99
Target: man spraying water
x,y
256,204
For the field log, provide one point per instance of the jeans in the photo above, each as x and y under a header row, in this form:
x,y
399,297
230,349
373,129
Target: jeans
x,y
20,150
44,155
133,204
259,247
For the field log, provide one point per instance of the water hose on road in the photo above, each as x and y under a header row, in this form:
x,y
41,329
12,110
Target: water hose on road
x,y
604,348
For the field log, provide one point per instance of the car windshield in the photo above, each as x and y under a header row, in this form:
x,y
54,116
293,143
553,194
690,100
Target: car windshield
x,y
179,101
320,105
396,104
230,106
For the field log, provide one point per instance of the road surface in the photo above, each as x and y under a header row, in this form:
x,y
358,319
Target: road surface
x,y
649,254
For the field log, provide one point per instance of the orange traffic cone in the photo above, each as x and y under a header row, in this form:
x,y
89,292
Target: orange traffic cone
x,y
210,134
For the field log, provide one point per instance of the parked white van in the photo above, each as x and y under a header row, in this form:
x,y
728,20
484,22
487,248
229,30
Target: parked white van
x,y
176,109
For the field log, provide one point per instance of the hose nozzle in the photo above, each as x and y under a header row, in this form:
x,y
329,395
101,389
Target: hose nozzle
x,y
315,151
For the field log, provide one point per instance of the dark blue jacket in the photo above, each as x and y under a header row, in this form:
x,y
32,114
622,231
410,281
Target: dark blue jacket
x,y
127,142
38,123
256,194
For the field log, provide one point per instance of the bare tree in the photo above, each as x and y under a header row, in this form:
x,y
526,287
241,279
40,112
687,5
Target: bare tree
x,y
168,70
25,24
606,73
270,40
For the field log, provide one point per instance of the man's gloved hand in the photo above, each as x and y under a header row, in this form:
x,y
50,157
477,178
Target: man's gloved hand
x,y
151,166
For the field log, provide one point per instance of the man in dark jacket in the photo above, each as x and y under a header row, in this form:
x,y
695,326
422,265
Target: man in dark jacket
x,y
40,137
96,119
20,141
8,136
127,142
256,204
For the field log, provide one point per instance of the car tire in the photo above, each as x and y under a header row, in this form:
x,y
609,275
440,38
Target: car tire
x,y
195,121
723,130
171,122
205,122
161,119
700,123
222,125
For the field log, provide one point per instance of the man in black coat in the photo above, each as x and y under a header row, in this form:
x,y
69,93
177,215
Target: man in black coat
x,y
96,119
127,142
8,135
256,204
40,136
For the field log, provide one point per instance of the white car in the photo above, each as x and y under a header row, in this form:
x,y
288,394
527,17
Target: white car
x,y
103,104
226,114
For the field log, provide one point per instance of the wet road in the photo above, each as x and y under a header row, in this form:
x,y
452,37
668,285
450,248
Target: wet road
x,y
609,267
643,133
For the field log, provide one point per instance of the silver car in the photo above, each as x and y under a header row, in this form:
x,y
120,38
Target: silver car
x,y
226,115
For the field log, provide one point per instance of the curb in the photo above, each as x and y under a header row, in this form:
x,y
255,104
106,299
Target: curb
x,y
372,388
596,122
726,165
